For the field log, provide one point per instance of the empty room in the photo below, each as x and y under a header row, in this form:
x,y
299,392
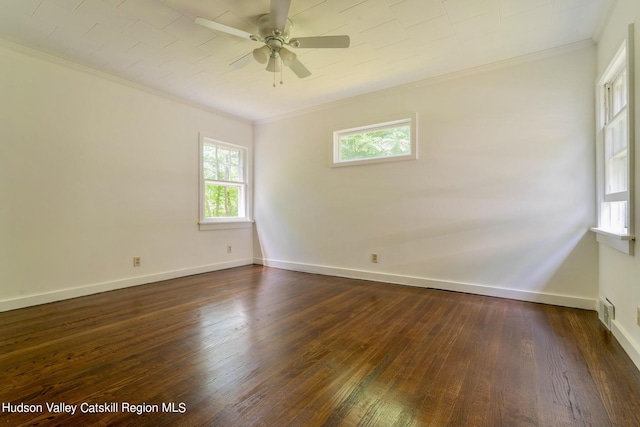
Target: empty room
x,y
319,212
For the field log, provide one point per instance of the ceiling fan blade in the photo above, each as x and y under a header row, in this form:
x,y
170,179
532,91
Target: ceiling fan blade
x,y
299,70
243,61
216,26
321,42
278,13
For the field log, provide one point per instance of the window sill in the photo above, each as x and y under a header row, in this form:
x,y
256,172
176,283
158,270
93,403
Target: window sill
x,y
621,242
374,160
225,225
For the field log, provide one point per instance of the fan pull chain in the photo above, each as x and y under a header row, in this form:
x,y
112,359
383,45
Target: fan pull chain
x,y
281,67
274,78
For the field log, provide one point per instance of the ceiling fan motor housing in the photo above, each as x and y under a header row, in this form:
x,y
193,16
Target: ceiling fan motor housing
x,y
275,38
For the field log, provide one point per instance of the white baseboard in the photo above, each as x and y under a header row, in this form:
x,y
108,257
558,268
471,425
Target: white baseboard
x,y
63,294
627,343
545,298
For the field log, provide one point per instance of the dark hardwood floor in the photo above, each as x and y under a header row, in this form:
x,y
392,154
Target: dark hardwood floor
x,y
257,346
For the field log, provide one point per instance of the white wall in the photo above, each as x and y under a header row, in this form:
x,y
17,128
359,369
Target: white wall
x,y
94,172
620,273
499,202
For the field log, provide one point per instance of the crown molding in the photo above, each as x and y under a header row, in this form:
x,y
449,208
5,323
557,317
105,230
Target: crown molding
x,y
119,80
320,107
603,22
536,56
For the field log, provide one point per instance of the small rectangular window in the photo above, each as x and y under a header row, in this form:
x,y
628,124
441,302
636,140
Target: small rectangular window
x,y
388,141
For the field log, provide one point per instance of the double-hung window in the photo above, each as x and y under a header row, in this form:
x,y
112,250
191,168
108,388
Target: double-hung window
x,y
615,203
223,184
615,152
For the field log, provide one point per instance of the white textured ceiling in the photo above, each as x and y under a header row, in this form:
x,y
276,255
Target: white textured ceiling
x,y
156,43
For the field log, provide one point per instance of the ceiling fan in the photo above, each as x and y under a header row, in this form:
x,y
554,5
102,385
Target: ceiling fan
x,y
274,30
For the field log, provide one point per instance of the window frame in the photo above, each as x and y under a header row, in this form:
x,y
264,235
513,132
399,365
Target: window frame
x,y
243,220
386,123
623,61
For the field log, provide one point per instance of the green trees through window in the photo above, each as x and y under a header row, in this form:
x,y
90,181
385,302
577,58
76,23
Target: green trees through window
x,y
222,168
221,201
389,142
380,142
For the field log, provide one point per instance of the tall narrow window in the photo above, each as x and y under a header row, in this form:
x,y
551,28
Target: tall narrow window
x,y
223,182
615,151
615,203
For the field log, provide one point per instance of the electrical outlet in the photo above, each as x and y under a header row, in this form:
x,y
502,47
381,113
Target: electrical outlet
x,y
137,261
374,258
229,249
606,312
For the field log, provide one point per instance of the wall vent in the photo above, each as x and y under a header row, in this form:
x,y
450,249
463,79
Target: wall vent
x,y
606,312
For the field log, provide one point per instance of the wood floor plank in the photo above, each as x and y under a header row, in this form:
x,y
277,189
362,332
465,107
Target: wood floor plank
x,y
257,346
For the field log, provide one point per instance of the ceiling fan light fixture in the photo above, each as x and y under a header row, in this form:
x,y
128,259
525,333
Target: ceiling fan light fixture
x,y
274,64
262,54
287,56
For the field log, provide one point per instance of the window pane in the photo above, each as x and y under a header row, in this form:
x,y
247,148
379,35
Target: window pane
x,y
614,217
221,201
381,143
619,93
222,159
616,157
209,161
234,166
222,164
